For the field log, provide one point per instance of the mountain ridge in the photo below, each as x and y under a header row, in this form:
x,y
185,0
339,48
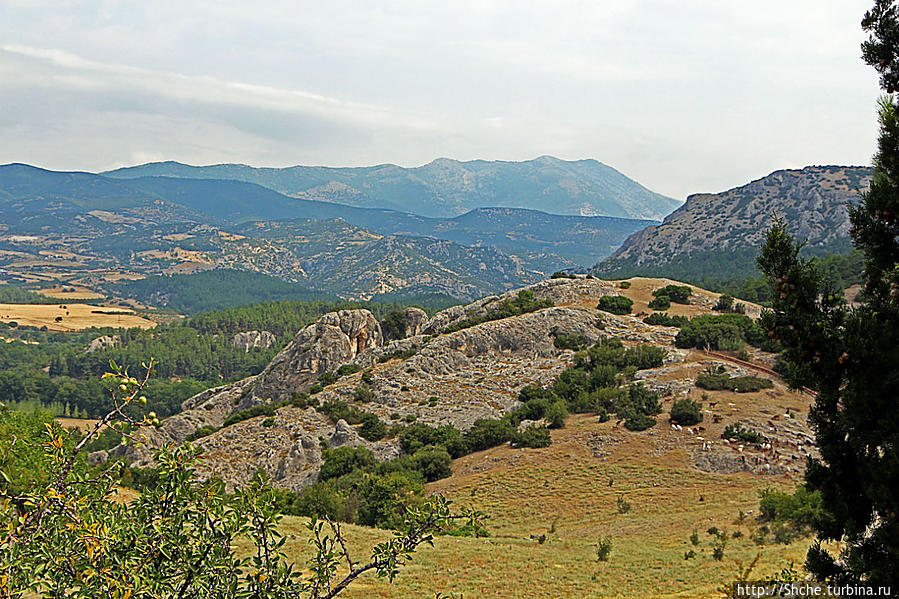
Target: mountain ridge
x,y
445,187
813,202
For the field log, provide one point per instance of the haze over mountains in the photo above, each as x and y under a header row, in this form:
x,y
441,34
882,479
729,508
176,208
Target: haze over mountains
x,y
445,187
167,225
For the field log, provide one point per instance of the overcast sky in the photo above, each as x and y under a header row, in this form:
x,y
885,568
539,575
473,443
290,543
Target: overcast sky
x,y
683,96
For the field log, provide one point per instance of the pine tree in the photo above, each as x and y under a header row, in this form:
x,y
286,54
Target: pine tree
x,y
850,357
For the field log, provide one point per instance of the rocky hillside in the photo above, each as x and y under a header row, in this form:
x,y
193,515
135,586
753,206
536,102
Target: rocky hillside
x,y
813,202
439,375
444,187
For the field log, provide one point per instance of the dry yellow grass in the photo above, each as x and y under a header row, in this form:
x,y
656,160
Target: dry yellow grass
x,y
79,423
641,292
72,317
567,494
77,293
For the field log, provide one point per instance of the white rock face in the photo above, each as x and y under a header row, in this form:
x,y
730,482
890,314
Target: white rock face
x,y
253,339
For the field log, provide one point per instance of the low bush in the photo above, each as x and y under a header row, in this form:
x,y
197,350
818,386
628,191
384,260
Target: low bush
x,y
686,412
663,319
679,294
573,341
662,302
615,304
532,436
736,432
373,428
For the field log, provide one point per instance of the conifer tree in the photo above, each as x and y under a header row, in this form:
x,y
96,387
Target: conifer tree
x,y
850,357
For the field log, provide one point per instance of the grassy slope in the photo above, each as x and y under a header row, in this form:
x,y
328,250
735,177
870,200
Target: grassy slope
x,y
526,491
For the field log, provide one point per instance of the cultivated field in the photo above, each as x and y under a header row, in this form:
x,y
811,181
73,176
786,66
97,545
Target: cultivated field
x,y
72,316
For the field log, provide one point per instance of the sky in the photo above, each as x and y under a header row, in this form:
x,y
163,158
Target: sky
x,y
684,96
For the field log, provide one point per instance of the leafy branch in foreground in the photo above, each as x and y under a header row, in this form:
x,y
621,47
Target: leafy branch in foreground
x,y
67,535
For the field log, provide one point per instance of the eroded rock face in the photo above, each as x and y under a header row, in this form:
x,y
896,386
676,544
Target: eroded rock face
x,y
104,342
253,339
335,339
416,320
290,450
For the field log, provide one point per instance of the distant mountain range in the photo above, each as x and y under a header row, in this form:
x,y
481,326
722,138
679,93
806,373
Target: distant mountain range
x,y
165,225
718,233
444,187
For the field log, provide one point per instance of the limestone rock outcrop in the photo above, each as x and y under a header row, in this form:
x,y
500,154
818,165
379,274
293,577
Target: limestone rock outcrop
x,y
253,339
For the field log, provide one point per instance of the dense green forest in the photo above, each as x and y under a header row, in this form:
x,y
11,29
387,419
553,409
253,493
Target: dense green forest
x,y
54,371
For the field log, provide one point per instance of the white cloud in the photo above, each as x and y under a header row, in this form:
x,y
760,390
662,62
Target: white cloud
x,y
684,96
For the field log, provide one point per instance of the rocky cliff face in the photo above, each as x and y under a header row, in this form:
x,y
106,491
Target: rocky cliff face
x,y
253,339
813,202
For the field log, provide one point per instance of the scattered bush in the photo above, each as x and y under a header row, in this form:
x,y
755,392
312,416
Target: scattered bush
x,y
363,393
532,436
624,285
662,302
573,341
686,412
736,432
720,381
623,505
679,294
373,428
268,422
662,319
522,304
604,549
615,304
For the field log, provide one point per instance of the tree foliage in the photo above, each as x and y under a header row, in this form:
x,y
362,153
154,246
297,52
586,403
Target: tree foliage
x,y
850,357
64,534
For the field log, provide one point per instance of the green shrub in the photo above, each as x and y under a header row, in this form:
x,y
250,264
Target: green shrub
x,y
686,412
624,285
662,319
803,509
346,369
720,381
268,422
725,303
645,356
363,393
393,325
615,304
736,432
623,505
328,378
433,462
402,354
723,332
662,302
486,433
373,428
532,436
385,498
573,341
679,294
604,549
343,460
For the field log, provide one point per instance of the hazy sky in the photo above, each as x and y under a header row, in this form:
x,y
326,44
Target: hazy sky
x,y
684,96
